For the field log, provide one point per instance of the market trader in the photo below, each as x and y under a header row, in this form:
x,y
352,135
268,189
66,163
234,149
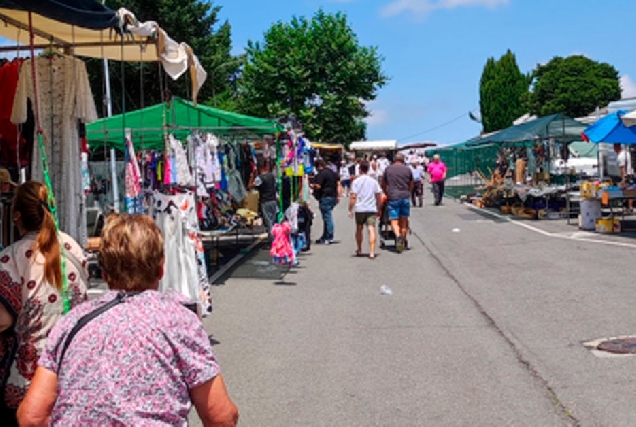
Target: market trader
x,y
624,163
265,182
327,190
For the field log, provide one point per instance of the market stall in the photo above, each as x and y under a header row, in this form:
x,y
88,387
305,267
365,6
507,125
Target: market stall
x,y
330,152
47,100
218,152
605,201
530,176
370,147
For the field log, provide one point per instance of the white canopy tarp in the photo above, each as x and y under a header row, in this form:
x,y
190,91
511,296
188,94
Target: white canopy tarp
x,y
629,119
143,42
386,145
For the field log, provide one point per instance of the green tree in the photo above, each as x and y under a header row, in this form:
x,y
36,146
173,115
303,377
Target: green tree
x,y
315,69
502,91
575,86
194,22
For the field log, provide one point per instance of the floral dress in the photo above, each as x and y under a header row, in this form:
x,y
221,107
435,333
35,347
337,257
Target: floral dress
x,y
38,306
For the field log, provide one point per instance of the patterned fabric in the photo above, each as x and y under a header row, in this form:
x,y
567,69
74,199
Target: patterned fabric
x,y
134,202
64,98
38,305
133,174
204,165
216,168
182,168
133,365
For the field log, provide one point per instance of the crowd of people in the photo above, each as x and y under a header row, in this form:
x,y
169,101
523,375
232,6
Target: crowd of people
x,y
68,361
377,189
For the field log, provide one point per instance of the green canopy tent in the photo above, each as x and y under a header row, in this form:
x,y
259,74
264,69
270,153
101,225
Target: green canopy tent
x,y
179,117
562,128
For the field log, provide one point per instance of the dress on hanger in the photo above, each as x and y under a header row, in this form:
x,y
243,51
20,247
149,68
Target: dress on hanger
x,y
64,97
133,180
185,269
182,168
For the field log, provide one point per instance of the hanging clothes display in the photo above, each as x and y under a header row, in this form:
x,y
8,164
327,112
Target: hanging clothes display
x,y
64,98
185,269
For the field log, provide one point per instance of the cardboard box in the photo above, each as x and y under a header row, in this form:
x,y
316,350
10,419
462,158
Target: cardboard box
x,y
251,201
608,225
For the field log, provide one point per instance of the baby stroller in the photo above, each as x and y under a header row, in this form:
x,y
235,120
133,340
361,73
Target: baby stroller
x,y
385,232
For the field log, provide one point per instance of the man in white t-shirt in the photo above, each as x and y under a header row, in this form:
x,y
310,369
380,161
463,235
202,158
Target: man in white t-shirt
x,y
345,178
624,163
417,194
364,203
383,163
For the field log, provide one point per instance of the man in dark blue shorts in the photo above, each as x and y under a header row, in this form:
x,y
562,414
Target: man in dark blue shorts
x,y
397,183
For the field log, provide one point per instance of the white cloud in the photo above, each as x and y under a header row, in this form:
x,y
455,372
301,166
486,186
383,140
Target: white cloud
x,y
423,8
628,87
377,116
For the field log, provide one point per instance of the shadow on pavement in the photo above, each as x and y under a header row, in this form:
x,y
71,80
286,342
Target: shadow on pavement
x,y
256,265
284,283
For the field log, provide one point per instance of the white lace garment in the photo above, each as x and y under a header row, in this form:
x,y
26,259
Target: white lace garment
x,y
64,96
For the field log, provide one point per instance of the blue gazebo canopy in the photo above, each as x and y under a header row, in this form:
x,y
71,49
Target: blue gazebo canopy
x,y
611,130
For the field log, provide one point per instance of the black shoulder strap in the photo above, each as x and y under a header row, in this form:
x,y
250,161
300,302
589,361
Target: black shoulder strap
x,y
83,321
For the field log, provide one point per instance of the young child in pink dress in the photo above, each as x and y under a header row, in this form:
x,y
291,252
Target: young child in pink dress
x,y
282,251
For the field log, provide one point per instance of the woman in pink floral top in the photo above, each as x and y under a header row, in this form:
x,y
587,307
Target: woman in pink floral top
x,y
142,362
30,291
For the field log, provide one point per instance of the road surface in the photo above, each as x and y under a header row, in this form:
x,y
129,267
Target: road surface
x,y
485,327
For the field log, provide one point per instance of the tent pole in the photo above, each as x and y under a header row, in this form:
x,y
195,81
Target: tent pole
x,y
113,160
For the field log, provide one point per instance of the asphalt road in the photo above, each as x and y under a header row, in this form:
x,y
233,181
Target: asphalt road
x,y
485,327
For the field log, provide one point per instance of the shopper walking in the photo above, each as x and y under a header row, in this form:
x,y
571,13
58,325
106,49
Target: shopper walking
x,y
437,173
398,184
374,168
265,182
383,163
327,190
133,357
417,195
364,203
624,163
345,178
31,291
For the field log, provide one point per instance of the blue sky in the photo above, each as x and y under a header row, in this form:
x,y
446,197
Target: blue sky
x,y
435,50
